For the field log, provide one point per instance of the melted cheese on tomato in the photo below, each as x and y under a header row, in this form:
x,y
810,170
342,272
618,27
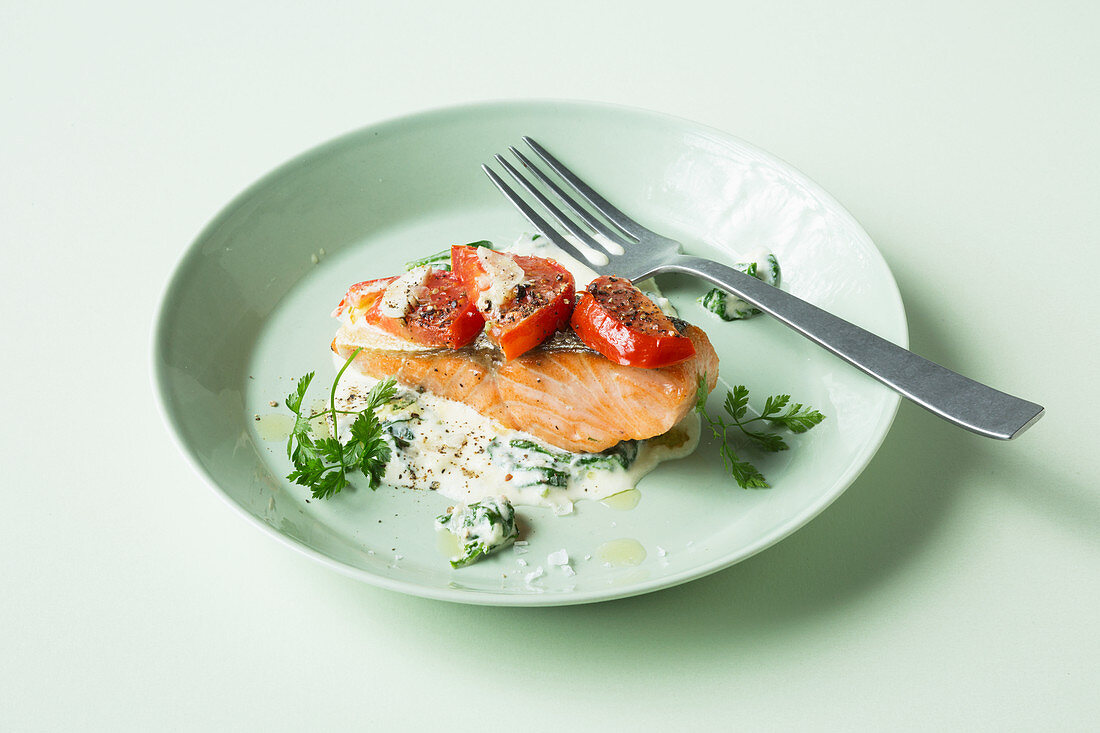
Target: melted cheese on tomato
x,y
503,275
403,293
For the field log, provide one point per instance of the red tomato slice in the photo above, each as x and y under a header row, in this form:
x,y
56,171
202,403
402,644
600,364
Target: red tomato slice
x,y
531,312
442,315
619,321
360,296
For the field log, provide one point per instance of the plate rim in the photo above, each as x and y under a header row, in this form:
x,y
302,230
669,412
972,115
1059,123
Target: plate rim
x,y
855,467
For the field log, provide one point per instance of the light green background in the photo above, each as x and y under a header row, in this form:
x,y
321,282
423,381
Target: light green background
x,y
954,586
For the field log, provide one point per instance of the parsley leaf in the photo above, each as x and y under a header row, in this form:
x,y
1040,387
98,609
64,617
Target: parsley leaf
x,y
323,464
778,412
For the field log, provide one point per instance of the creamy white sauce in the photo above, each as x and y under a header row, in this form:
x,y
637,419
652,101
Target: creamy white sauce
x,y
766,270
539,246
404,292
503,275
452,449
767,266
470,526
479,529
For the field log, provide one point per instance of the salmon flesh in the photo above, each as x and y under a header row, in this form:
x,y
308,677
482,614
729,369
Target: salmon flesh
x,y
561,392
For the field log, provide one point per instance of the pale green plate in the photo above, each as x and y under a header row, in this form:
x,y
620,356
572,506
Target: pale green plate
x,y
247,311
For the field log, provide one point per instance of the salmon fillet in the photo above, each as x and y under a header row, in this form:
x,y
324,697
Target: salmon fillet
x,y
561,392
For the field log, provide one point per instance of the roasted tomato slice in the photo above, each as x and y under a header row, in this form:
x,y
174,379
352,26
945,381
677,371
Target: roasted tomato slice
x,y
622,323
360,297
437,311
524,299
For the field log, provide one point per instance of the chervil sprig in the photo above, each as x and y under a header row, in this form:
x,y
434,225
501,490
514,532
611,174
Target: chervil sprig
x,y
795,418
322,464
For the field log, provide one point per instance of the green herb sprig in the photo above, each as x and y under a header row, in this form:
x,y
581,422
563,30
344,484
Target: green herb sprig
x,y
322,464
442,260
778,411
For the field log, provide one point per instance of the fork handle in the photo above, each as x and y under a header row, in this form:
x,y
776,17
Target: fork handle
x,y
955,398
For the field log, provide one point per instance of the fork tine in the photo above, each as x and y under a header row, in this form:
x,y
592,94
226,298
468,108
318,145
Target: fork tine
x,y
555,212
537,221
598,226
599,203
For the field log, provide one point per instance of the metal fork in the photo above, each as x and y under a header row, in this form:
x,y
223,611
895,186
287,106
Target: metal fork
x,y
636,253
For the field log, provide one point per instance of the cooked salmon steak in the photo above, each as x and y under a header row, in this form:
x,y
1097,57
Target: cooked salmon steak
x,y
562,392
